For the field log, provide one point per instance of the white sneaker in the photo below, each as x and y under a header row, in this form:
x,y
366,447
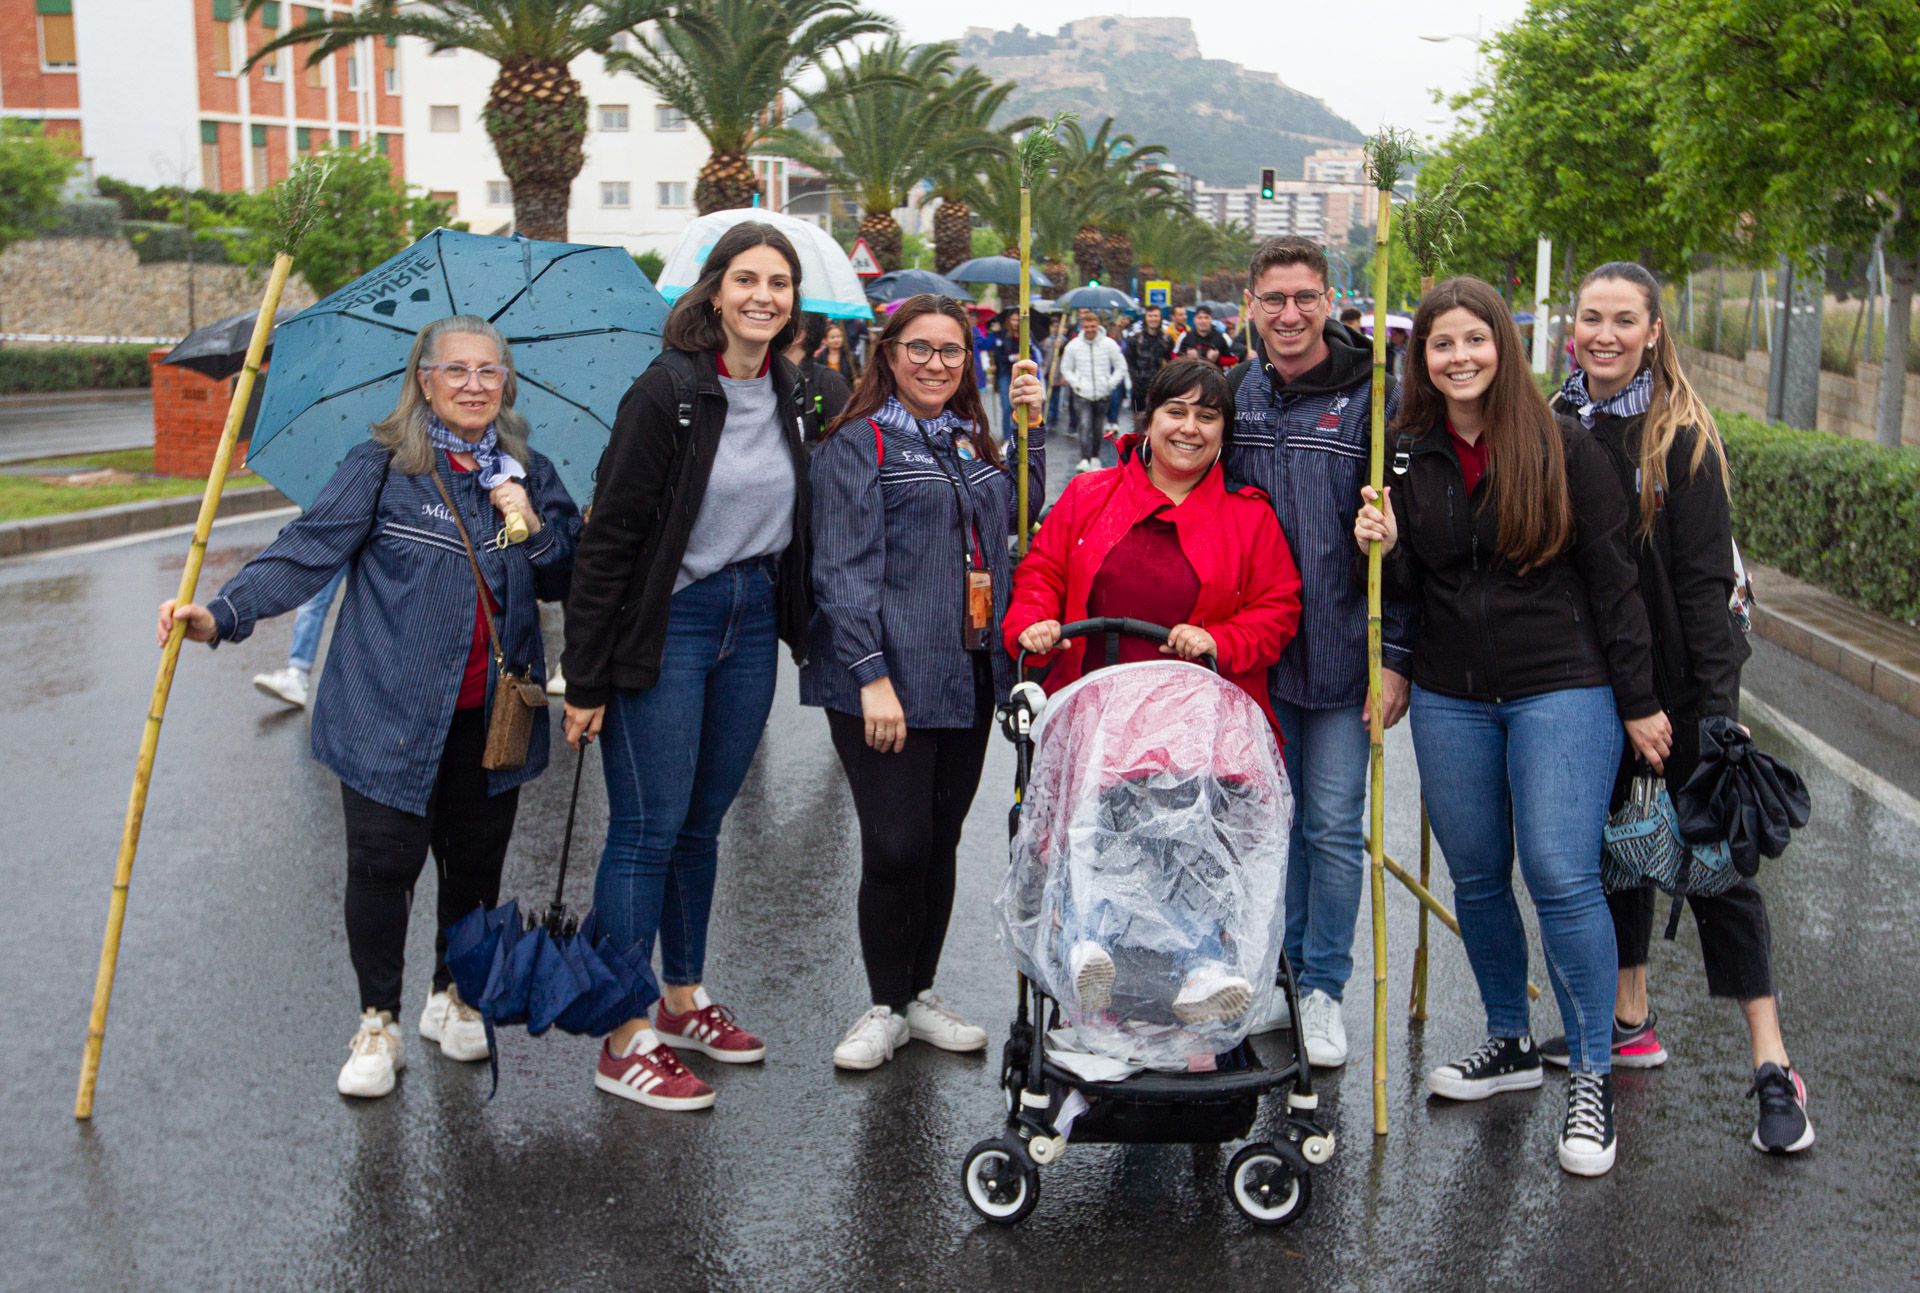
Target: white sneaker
x,y
1092,970
931,1020
1278,1018
1113,429
456,1025
556,685
1325,1031
374,1058
288,685
1210,994
872,1040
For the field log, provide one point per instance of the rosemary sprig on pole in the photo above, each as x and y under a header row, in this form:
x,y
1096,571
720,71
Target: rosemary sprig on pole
x,y
296,208
1431,220
1389,153
1036,151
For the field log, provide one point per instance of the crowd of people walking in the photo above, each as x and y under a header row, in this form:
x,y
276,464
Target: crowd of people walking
x,y
1556,618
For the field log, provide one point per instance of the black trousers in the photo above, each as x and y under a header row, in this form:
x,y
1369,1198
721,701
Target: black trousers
x,y
467,832
911,807
1735,940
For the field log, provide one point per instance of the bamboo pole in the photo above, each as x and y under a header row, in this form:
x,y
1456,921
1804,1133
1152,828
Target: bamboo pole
x,y
163,685
1417,1004
1026,349
1376,729
1429,903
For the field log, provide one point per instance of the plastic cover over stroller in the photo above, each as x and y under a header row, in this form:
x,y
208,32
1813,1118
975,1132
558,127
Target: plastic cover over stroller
x,y
1153,834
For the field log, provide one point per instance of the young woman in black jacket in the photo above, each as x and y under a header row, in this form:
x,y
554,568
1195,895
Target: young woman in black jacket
x,y
1667,459
692,568
1532,655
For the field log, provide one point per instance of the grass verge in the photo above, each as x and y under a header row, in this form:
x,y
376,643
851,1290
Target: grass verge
x,y
30,493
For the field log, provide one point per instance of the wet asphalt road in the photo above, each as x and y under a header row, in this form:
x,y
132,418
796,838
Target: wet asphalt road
x,y
90,422
220,1157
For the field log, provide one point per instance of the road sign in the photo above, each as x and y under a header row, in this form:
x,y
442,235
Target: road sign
x,y
865,263
1159,292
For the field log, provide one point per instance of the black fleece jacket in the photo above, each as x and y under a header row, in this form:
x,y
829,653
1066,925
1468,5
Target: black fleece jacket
x,y
1491,633
647,493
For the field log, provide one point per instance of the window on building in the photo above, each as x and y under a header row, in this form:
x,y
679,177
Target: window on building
x,y
668,117
258,147
393,79
345,138
317,74
499,193
613,116
226,36
57,49
353,71
616,193
622,41
210,156
671,193
443,118
450,198
303,140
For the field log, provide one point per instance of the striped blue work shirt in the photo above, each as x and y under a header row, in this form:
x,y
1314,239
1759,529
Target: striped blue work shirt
x,y
890,557
1308,454
400,646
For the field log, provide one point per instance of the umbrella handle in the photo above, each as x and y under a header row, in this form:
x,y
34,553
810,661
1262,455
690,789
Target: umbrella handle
x,y
573,806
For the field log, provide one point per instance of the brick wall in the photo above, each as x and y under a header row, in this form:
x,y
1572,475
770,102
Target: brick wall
x,y
189,413
1848,405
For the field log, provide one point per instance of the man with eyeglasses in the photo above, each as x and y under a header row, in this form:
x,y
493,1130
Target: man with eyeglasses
x,y
1092,368
1302,435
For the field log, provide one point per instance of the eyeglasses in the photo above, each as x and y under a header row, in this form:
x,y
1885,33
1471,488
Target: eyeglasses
x,y
921,352
1274,302
492,376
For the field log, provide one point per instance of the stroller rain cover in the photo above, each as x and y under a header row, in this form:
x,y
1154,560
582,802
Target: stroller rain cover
x,y
1155,830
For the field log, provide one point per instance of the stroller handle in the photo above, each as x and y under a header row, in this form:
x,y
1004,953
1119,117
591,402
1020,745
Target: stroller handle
x,y
1115,624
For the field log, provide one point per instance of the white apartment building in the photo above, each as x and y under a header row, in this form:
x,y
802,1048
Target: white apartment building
x,y
642,157
1296,207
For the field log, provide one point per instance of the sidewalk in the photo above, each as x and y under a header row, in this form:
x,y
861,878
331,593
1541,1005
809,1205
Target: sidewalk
x,y
1866,648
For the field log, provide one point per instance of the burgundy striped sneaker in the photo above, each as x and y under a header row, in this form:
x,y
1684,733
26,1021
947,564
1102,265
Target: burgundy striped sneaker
x,y
711,1031
654,1077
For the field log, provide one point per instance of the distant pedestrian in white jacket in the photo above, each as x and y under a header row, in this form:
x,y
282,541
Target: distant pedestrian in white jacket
x,y
1092,368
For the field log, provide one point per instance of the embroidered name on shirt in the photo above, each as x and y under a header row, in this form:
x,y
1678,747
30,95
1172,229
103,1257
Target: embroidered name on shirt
x,y
437,510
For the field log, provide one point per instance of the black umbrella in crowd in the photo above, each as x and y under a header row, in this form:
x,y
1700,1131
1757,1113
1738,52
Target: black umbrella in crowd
x,y
219,350
1003,271
902,283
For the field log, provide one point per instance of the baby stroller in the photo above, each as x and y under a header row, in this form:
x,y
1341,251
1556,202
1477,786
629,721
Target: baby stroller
x,y
1149,831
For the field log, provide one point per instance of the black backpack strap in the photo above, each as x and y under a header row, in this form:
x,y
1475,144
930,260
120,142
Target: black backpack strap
x,y
679,369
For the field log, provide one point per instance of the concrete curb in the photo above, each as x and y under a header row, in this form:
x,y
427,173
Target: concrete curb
x,y
44,533
1874,653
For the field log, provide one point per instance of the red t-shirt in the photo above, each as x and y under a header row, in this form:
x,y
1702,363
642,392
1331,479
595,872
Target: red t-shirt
x,y
473,683
1472,457
1145,577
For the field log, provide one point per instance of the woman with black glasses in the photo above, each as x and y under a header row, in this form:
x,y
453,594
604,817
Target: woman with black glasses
x,y
911,574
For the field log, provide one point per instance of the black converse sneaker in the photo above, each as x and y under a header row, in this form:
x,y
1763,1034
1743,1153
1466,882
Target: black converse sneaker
x,y
1497,1064
1586,1137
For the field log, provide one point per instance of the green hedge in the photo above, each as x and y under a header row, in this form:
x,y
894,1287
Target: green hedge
x,y
1840,513
87,218
166,244
72,368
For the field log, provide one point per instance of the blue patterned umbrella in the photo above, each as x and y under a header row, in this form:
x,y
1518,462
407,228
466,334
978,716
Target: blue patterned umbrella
x,y
582,321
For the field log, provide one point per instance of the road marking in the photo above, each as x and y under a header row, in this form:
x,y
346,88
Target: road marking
x,y
1858,775
148,536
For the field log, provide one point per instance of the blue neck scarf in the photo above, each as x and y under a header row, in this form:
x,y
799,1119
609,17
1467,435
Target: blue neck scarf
x,y
1630,401
491,463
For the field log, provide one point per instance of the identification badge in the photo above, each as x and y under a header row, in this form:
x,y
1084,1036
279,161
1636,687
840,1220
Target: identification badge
x,y
979,622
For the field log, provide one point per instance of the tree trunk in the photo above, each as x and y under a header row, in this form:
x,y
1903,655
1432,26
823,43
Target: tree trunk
x,y
536,117
727,182
952,234
882,233
1902,268
1088,244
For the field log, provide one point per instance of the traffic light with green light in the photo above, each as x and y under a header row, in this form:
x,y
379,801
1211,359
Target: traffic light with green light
x,y
1266,182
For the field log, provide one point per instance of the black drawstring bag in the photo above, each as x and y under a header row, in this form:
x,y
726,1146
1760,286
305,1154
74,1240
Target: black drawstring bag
x,y
1750,799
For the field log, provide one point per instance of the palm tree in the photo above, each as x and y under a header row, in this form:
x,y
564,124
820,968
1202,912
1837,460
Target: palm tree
x,y
993,193
883,122
1106,178
536,115
725,64
976,101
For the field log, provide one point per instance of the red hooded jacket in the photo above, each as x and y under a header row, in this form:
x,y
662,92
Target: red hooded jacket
x,y
1249,588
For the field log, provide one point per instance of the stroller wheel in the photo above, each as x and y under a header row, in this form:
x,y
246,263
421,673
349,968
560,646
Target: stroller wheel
x,y
1001,1184
1269,1184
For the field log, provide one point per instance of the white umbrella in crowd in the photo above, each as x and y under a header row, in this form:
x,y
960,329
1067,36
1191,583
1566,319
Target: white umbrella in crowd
x,y
828,285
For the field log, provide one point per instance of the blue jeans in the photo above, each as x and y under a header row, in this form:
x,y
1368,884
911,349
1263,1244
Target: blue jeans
x,y
1326,756
674,757
1537,772
308,622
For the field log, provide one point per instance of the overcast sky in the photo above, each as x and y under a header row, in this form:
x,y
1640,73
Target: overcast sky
x,y
1365,58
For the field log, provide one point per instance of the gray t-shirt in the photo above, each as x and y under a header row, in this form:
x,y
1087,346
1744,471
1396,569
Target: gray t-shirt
x,y
748,507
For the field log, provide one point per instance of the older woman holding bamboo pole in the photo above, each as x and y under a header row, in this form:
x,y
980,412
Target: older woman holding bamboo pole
x,y
421,665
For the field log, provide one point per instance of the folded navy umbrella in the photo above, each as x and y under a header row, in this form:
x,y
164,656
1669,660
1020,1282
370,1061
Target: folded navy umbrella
x,y
1742,795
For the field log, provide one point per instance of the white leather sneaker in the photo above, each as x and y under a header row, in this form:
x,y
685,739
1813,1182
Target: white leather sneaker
x,y
457,1026
931,1020
288,685
1092,970
374,1058
1209,994
1325,1031
872,1040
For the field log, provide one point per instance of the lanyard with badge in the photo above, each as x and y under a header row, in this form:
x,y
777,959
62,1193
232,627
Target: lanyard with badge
x,y
977,622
